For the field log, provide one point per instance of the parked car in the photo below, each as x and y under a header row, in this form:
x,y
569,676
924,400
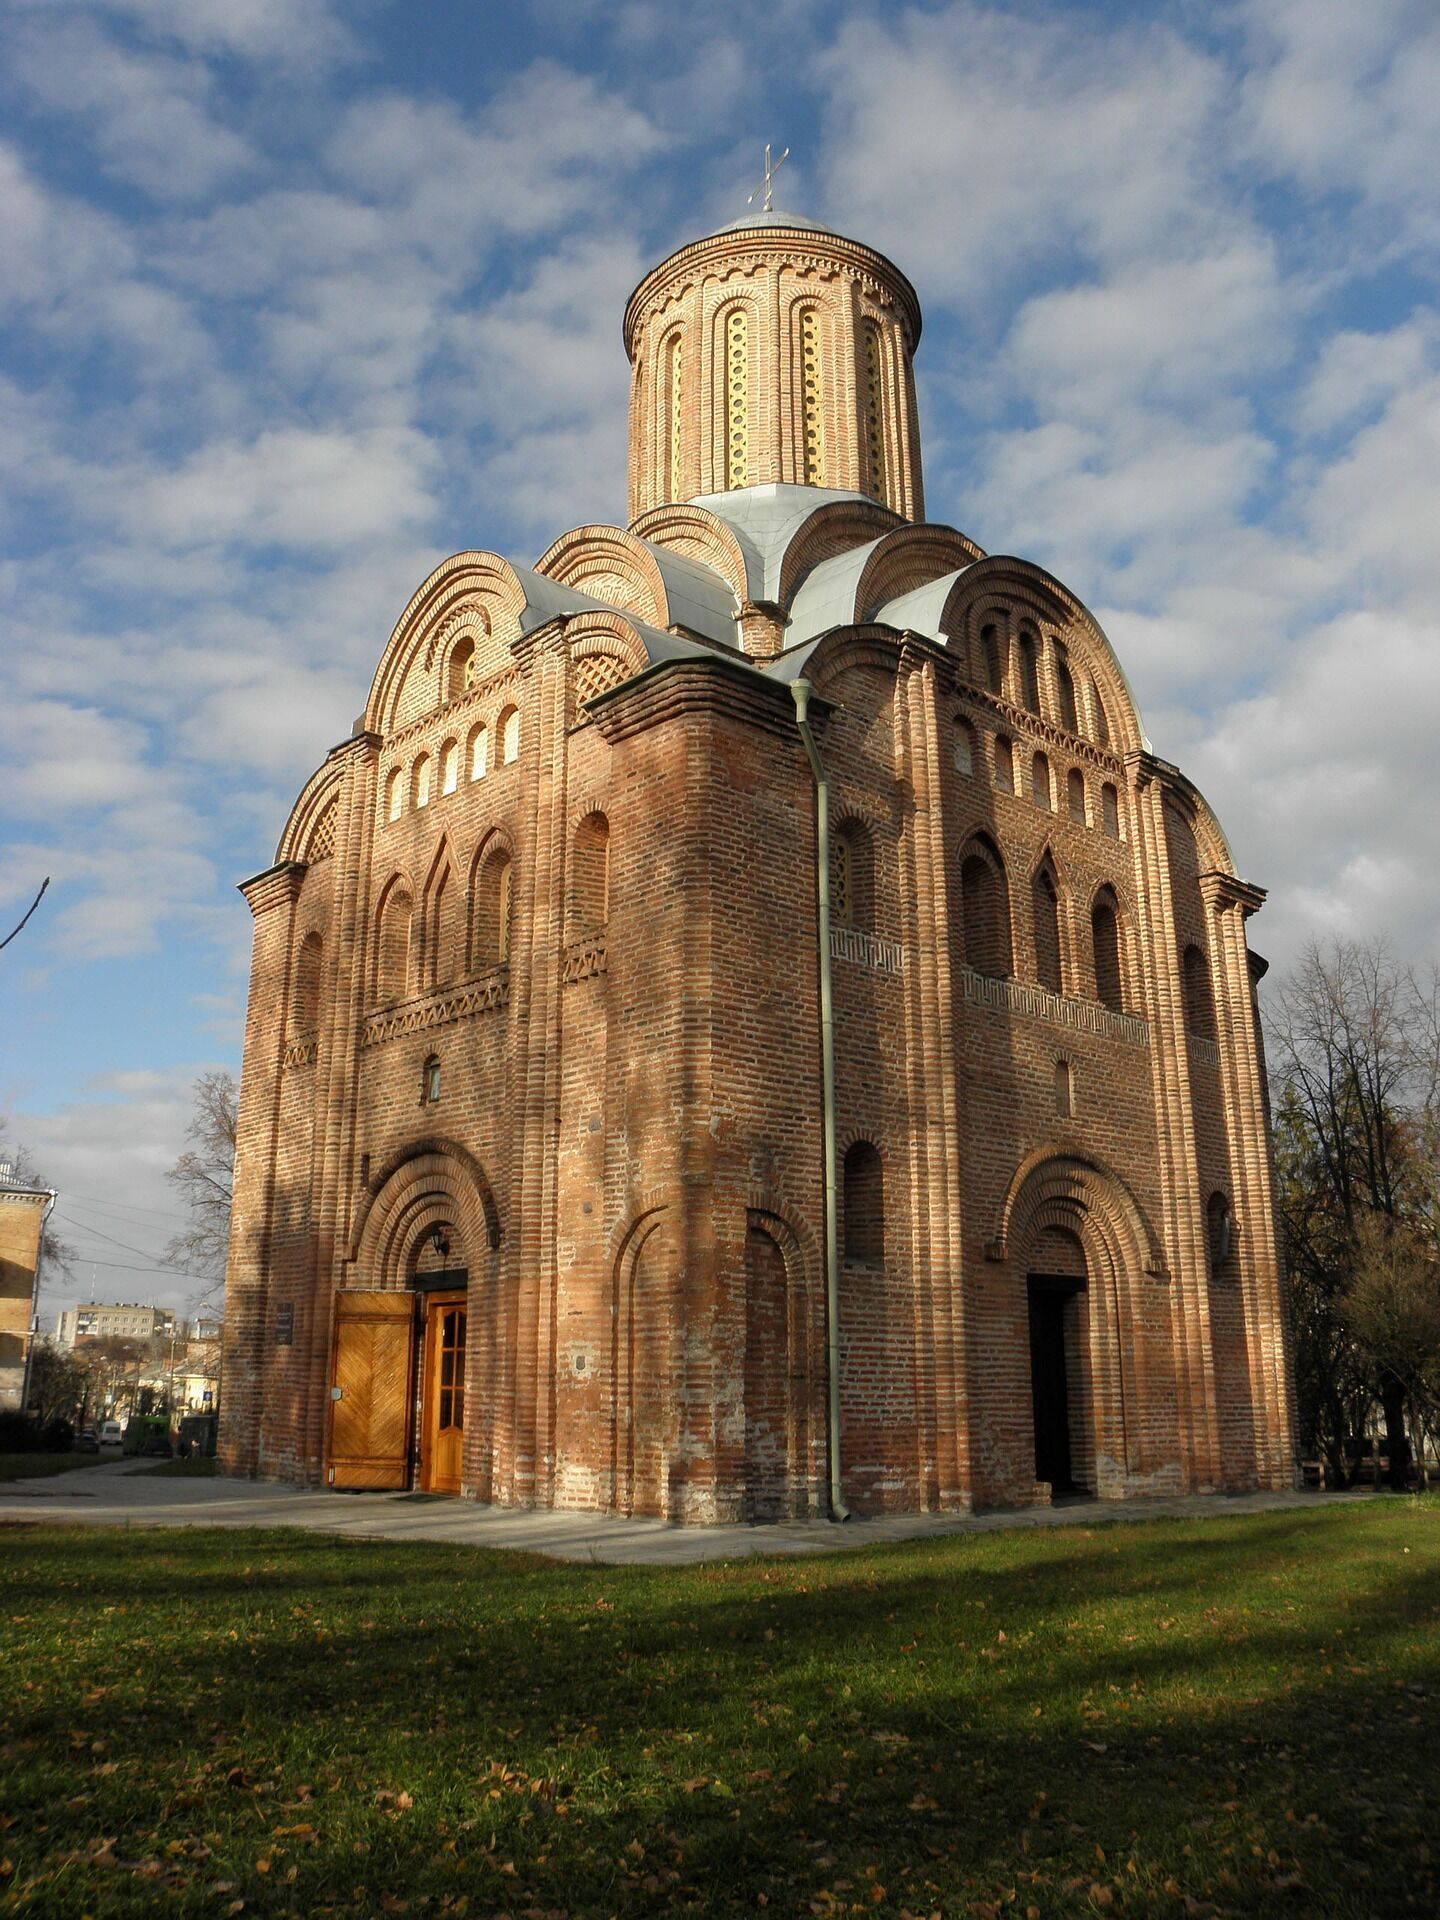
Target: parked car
x,y
112,1437
87,1441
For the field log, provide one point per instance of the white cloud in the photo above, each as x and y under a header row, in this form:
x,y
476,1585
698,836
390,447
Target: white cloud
x,y
1346,98
1357,372
151,117
981,142
308,490
1156,332
298,32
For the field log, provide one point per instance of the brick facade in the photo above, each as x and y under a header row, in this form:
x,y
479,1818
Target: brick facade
x,y
535,997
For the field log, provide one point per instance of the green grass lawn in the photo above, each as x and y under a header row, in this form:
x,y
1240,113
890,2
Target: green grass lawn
x,y
39,1466
1234,1715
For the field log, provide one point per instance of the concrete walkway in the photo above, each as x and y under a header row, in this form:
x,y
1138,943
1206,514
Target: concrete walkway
x,y
124,1493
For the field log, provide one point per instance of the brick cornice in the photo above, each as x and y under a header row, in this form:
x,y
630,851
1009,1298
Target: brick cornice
x,y
693,686
277,886
772,247
1219,890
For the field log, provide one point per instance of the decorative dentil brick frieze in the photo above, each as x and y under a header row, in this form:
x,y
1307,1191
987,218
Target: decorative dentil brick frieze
x,y
1023,996
439,1008
866,950
583,959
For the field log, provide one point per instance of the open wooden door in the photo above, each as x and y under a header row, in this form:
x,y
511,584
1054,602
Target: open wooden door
x,y
442,1418
370,1391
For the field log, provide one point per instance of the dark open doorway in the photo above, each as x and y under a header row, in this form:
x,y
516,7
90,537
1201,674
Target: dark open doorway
x,y
1052,1320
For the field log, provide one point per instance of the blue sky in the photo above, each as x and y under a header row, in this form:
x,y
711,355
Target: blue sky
x,y
302,295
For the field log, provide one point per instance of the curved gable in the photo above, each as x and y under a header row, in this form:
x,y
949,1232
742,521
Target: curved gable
x,y
701,536
309,833
830,530
1026,592
477,594
612,566
909,558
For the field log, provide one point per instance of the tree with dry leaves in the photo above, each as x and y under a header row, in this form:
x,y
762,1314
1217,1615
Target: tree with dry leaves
x,y
204,1178
1357,1125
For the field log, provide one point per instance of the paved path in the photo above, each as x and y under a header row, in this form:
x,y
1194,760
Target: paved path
x,y
124,1493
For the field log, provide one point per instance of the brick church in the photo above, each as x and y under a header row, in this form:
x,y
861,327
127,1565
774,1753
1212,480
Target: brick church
x,y
746,1026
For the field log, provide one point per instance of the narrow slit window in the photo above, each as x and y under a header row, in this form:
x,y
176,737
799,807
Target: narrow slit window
x,y
1040,783
1075,791
874,414
811,397
677,396
737,384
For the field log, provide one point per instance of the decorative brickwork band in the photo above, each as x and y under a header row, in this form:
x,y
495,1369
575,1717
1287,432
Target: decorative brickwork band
x,y
485,995
583,959
849,943
302,1051
1019,996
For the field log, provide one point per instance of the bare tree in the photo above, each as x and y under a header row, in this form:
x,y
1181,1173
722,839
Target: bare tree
x,y
1355,1052
204,1177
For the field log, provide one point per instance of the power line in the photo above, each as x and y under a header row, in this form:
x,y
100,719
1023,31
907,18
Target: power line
x,y
80,1227
162,1273
92,1203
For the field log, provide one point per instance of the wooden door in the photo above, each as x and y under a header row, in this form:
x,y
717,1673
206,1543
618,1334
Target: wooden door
x,y
442,1417
370,1392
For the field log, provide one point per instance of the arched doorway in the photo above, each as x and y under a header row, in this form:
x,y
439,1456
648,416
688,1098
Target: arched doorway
x,y
1059,1320
406,1379
1096,1328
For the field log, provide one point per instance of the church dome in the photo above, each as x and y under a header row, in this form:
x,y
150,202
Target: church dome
x,y
773,351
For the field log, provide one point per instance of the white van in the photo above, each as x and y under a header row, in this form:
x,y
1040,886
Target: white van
x,y
112,1436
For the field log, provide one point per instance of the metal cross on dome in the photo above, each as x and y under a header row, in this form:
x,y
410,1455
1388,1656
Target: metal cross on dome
x,y
768,188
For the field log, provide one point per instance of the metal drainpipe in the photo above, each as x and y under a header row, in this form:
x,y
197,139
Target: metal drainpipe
x,y
800,689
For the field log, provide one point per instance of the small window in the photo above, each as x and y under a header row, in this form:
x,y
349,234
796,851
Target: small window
x,y
1040,782
1065,688
479,752
1110,810
1029,672
392,959
430,1082
1046,910
1004,764
964,747
394,794
509,736
1064,1090
985,912
1102,719
842,902
308,969
1105,946
852,877
420,782
590,875
864,1206
1199,1001
1075,791
461,673
993,659
449,766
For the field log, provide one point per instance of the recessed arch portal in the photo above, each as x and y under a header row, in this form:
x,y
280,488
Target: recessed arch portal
x,y
1081,1252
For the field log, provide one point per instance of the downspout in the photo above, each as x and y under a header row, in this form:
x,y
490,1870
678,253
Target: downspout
x,y
800,689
